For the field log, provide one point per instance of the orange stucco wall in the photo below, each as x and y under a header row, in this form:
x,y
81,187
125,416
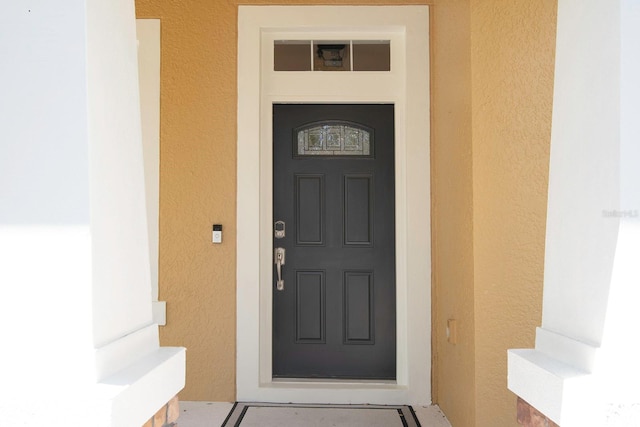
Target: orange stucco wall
x,y
492,85
512,63
452,211
198,188
492,64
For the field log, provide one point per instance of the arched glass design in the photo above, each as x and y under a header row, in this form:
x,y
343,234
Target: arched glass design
x,y
333,139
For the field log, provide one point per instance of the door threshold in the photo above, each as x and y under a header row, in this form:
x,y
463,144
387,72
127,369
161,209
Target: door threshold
x,y
334,381
329,391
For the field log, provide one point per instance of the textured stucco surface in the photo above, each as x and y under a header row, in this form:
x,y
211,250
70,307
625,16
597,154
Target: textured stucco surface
x,y
197,188
452,213
512,58
492,85
492,66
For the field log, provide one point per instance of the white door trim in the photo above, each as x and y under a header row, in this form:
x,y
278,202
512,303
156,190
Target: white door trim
x,y
258,88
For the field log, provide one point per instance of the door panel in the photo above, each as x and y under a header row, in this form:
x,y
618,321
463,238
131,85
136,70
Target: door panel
x,y
358,210
309,195
358,307
310,310
334,189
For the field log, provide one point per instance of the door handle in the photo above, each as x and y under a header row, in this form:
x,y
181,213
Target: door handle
x,y
279,262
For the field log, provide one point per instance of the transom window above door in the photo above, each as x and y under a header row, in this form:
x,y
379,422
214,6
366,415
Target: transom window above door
x,y
331,55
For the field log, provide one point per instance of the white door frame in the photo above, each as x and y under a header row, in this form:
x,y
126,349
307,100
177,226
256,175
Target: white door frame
x,y
407,87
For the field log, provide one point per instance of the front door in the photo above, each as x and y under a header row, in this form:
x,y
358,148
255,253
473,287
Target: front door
x,y
334,228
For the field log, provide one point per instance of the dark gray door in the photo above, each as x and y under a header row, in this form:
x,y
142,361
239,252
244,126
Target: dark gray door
x,y
333,186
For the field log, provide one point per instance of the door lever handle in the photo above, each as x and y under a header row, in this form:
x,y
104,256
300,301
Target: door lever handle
x,y
278,256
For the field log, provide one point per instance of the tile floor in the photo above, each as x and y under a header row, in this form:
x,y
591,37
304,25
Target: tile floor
x,y
213,414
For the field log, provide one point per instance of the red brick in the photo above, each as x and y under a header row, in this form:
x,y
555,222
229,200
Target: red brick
x,y
528,416
160,418
173,410
524,412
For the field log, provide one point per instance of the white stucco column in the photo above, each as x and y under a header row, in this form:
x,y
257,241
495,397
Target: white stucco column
x,y
79,346
584,370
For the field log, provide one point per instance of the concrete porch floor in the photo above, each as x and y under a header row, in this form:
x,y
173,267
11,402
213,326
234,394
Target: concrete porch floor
x,y
213,414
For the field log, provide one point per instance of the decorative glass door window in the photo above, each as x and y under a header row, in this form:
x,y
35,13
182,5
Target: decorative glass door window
x,y
331,55
333,139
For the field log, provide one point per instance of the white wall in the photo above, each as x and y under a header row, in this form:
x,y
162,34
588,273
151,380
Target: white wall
x,y
620,348
583,178
42,101
45,241
629,105
584,368
118,208
79,346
